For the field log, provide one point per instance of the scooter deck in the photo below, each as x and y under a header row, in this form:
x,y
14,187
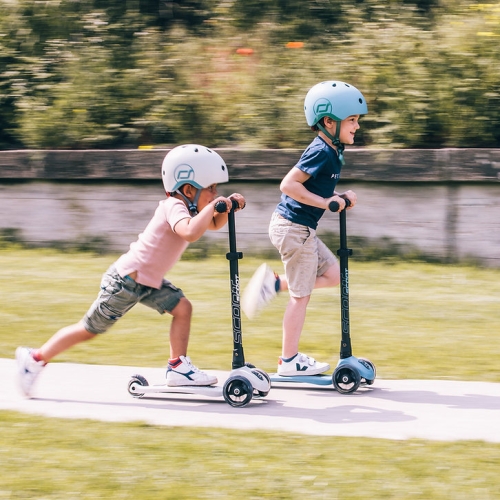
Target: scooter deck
x,y
303,379
208,391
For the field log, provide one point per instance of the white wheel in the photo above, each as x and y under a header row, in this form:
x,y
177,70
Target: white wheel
x,y
136,382
237,391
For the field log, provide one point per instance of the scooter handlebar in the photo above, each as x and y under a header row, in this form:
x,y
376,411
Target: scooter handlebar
x,y
334,206
220,206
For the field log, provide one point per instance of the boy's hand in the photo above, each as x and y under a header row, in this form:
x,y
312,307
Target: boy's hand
x,y
351,196
217,203
337,199
240,199
236,197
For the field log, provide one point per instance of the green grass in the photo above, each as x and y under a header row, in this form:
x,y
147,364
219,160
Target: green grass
x,y
413,320
79,459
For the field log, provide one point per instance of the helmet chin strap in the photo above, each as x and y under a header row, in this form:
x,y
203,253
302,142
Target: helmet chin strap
x,y
335,140
192,205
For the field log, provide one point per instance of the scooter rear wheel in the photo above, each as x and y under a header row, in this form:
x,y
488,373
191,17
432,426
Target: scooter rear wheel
x,y
346,379
237,391
136,380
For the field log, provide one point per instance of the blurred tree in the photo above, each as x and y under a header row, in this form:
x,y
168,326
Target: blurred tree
x,y
109,73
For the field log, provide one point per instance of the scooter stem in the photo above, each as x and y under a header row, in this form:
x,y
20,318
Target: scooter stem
x,y
343,252
233,256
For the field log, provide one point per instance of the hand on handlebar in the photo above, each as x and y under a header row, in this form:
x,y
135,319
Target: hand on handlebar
x,y
225,205
336,203
350,196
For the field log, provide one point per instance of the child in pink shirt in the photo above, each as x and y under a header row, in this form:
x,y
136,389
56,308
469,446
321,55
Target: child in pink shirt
x,y
190,176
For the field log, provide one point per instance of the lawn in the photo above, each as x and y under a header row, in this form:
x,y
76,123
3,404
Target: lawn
x,y
413,320
79,459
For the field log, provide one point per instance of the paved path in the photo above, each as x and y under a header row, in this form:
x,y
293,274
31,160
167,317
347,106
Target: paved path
x,y
390,409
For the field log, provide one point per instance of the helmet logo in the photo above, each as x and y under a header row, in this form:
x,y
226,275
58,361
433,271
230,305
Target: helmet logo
x,y
184,173
322,107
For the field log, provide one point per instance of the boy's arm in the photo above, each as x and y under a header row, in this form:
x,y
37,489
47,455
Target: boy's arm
x,y
220,220
293,185
193,228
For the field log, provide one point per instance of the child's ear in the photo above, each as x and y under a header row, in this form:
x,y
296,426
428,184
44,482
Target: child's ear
x,y
330,123
188,191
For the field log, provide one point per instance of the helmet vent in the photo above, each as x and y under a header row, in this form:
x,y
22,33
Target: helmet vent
x,y
195,150
223,167
360,101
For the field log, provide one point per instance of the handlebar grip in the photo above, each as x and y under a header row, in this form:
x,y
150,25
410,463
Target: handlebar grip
x,y
220,206
334,206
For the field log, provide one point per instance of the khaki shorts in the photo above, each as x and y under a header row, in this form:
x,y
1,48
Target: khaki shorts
x,y
118,295
303,254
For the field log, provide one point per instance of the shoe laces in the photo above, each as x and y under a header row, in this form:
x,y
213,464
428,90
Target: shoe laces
x,y
187,360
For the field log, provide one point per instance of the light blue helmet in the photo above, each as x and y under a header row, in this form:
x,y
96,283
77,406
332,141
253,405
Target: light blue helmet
x,y
335,99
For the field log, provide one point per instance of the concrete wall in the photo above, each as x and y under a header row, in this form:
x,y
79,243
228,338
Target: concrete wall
x,y
446,202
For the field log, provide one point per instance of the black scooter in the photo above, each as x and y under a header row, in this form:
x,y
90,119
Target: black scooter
x,y
245,381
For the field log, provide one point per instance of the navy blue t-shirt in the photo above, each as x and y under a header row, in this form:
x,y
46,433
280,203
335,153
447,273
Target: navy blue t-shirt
x,y
321,162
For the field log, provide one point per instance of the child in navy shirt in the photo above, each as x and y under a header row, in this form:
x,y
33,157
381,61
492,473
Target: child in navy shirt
x,y
332,109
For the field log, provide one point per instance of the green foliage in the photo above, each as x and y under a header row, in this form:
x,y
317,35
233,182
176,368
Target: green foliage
x,y
123,74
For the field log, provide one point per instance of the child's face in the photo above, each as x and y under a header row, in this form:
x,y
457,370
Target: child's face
x,y
348,128
207,195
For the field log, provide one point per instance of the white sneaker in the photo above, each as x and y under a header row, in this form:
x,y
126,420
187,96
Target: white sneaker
x,y
28,369
301,364
183,372
260,291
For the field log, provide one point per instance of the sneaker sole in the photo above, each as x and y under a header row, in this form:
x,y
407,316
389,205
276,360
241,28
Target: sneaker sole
x,y
193,384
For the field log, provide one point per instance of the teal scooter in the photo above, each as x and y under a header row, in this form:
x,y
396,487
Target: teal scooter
x,y
351,372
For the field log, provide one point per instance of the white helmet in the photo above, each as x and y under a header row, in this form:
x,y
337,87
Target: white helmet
x,y
192,164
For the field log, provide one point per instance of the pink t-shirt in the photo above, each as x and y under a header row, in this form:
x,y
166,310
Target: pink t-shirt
x,y
158,247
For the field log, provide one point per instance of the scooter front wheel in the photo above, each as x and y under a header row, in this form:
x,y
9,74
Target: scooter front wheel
x,y
237,391
346,379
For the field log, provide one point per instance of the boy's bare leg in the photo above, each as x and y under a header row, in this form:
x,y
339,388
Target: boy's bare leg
x,y
181,371
295,313
330,278
65,338
180,328
293,322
